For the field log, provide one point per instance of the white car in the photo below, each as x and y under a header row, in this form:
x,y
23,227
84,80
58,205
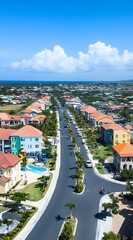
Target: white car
x,y
88,164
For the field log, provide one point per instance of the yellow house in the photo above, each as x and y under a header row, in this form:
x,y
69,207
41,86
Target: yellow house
x,y
9,171
114,134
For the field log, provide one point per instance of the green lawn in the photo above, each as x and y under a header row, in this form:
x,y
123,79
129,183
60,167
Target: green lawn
x,y
35,190
8,108
104,151
2,209
99,167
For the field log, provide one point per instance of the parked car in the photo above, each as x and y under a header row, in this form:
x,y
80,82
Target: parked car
x,y
88,164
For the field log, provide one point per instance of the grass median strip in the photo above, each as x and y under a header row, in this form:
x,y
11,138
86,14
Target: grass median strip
x,y
68,229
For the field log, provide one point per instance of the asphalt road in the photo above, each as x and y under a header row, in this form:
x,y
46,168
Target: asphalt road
x,y
49,225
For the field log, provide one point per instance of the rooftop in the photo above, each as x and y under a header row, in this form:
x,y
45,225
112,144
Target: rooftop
x,y
8,160
124,149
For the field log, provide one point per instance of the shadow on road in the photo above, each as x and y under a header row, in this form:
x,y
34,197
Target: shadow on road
x,y
102,215
58,218
72,168
70,186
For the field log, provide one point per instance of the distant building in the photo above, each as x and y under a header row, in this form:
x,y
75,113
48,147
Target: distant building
x,y
38,119
123,156
25,119
97,119
7,121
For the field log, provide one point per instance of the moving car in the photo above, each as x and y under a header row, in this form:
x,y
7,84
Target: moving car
x,y
88,164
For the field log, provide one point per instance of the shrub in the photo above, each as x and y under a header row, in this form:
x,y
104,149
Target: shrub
x,y
78,187
66,232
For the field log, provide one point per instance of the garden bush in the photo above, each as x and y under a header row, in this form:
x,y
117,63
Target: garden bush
x,y
78,188
67,232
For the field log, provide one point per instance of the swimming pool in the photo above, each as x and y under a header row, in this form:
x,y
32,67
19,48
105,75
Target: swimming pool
x,y
34,169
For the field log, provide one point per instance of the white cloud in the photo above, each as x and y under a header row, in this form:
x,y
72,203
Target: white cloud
x,y
98,56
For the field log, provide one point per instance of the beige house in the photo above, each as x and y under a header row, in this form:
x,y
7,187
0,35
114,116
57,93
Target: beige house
x,y
7,121
123,156
9,171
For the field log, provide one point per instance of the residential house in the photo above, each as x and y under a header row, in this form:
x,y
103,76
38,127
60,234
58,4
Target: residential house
x,y
38,119
9,171
5,140
123,156
97,119
130,128
114,134
25,118
88,112
7,121
28,139
83,109
31,110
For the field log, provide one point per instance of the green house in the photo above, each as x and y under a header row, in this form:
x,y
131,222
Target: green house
x,y
15,145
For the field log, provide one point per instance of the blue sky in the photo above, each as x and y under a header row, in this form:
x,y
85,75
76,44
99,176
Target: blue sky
x,y
60,40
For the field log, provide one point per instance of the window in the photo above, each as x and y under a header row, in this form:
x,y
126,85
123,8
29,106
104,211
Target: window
x,y
116,136
123,141
10,171
6,122
14,139
23,139
1,172
30,139
21,145
36,146
123,159
36,139
30,146
124,136
15,146
12,145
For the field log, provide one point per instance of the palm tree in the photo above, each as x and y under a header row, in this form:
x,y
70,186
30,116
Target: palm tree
x,y
24,164
71,206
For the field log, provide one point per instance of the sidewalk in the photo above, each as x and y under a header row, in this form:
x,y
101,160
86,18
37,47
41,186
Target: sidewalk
x,y
43,203
104,223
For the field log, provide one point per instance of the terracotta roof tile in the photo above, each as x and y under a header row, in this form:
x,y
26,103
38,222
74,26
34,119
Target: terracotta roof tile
x,y
114,126
124,149
6,133
39,118
4,179
84,107
128,126
8,160
26,115
90,110
27,131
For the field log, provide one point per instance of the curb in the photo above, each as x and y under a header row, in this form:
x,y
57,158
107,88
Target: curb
x,y
93,164
99,232
43,203
75,228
